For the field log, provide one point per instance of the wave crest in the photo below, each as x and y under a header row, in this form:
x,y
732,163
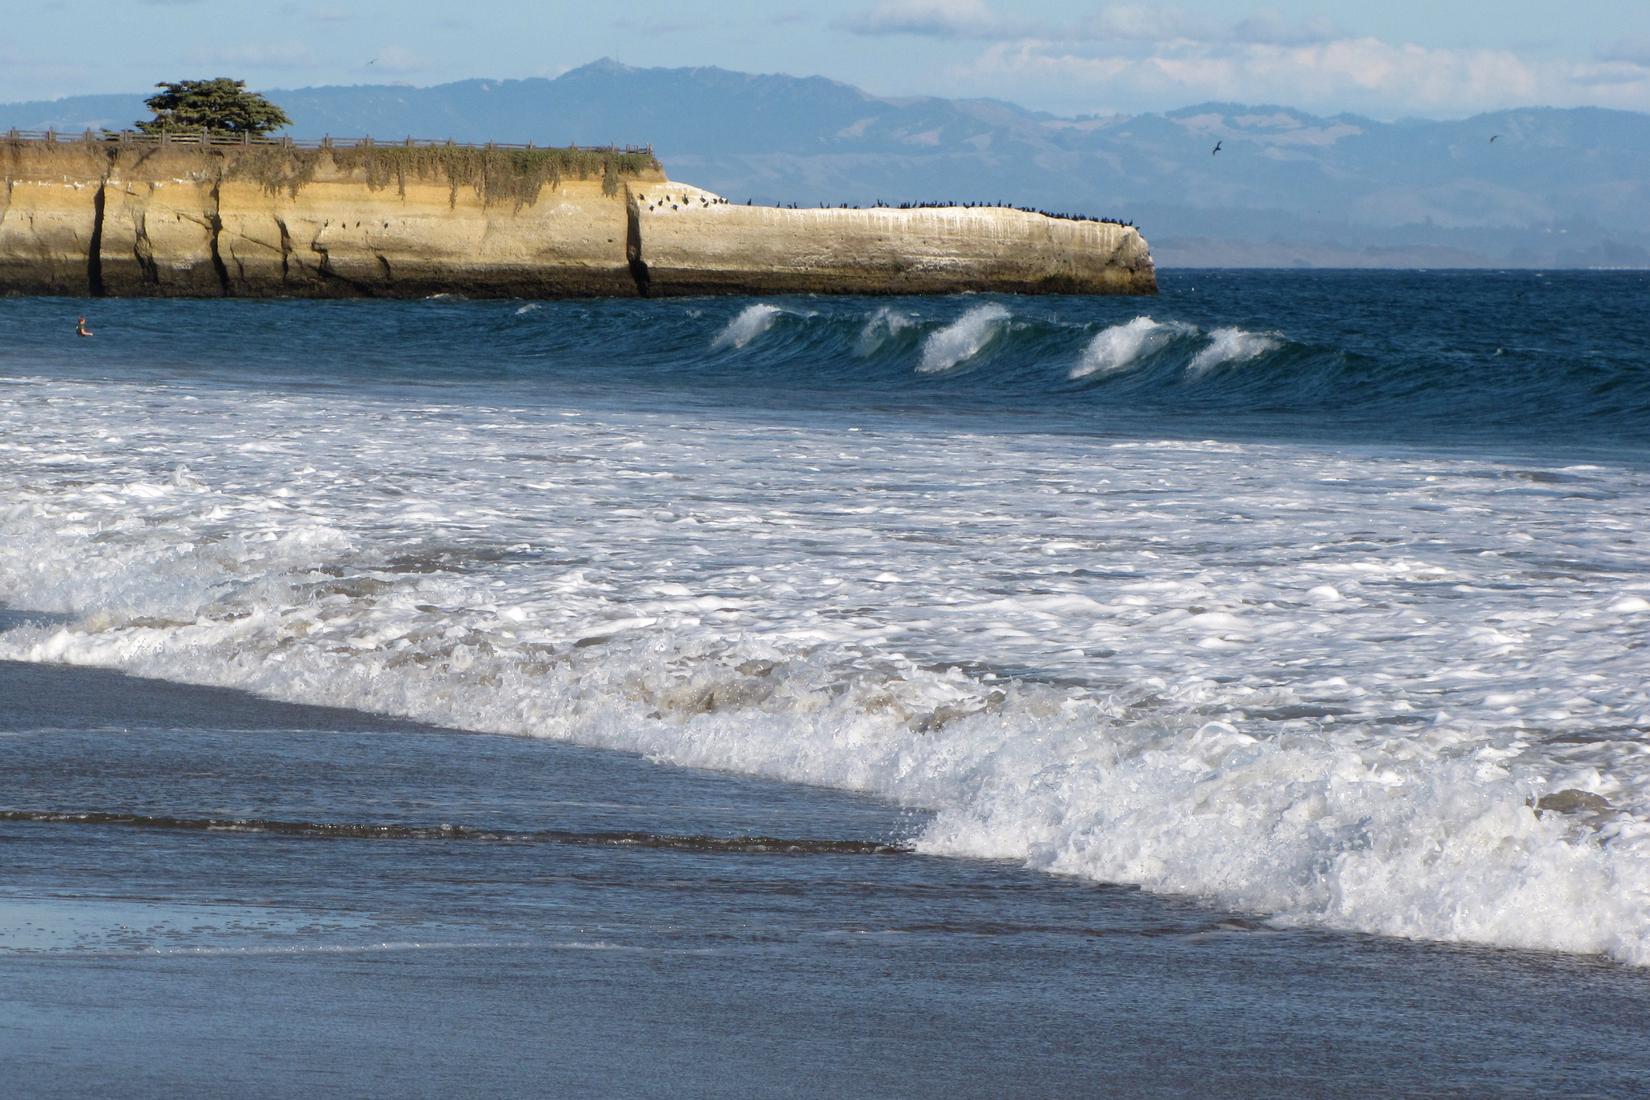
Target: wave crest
x,y
751,322
1119,347
1229,345
963,339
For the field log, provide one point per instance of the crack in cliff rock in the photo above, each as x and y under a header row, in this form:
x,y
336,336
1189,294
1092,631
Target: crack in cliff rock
x,y
286,251
633,244
143,250
325,270
215,225
94,248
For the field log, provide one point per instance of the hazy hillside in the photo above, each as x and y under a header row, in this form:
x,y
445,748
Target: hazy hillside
x,y
1555,187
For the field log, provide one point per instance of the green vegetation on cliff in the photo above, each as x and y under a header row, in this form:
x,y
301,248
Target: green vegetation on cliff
x,y
497,174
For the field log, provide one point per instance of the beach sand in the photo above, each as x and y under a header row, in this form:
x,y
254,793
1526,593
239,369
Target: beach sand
x,y
158,957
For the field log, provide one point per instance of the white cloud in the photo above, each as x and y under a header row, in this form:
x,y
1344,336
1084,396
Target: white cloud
x,y
1130,22
1135,23
1267,26
261,55
1342,73
1159,55
931,18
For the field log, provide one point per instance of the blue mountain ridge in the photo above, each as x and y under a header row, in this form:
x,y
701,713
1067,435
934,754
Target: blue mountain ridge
x,y
1556,188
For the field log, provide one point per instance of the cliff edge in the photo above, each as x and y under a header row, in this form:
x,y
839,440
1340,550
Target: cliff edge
x,y
131,217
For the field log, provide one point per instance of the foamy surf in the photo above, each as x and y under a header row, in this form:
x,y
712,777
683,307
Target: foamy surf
x,y
1362,691
1116,349
1229,345
882,326
751,322
963,339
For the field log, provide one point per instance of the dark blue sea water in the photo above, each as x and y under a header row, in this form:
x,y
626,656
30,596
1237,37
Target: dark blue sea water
x,y
1496,359
1239,690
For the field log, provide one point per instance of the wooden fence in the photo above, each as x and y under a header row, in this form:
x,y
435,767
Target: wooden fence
x,y
179,137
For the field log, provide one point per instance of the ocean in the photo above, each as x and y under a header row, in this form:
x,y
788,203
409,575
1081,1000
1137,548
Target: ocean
x,y
1240,690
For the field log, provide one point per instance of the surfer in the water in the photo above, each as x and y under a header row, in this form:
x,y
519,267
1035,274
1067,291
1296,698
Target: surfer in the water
x,y
80,328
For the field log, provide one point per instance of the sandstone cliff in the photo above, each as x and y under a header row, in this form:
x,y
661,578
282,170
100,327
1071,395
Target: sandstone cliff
x,y
134,218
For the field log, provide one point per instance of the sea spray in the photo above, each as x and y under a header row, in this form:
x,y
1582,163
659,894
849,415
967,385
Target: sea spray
x,y
883,325
963,339
751,322
1120,347
1229,345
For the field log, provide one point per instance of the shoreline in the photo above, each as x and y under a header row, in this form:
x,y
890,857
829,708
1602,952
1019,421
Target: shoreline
x,y
214,957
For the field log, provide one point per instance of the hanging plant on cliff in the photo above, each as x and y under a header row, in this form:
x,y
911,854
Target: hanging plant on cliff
x,y
221,106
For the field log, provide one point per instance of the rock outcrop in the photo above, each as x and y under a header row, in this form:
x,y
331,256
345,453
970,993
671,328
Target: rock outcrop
x,y
694,243
143,218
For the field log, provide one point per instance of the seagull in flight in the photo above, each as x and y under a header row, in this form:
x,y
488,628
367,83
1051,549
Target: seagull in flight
x,y
1216,149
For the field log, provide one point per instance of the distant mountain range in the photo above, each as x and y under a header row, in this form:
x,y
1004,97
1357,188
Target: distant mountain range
x,y
1535,187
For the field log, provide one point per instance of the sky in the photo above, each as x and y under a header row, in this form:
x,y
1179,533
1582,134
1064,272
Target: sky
x,y
1384,58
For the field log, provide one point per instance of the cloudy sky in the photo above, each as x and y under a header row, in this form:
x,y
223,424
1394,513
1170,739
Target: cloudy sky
x,y
1386,58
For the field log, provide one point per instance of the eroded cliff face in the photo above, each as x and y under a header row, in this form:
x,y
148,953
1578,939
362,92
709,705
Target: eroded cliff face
x,y
338,237
51,203
97,218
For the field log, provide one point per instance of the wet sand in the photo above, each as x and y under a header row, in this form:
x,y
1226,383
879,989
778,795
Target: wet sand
x,y
549,950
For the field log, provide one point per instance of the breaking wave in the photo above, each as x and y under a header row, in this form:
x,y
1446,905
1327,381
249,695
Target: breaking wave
x,y
753,322
1122,346
962,339
1232,345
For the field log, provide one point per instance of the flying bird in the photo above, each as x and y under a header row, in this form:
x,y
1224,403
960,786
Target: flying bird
x,y
1216,149
1493,137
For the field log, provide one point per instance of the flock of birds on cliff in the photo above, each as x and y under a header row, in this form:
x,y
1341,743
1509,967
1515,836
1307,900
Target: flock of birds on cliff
x,y
686,200
703,201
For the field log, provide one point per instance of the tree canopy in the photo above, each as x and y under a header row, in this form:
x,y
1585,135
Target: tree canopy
x,y
221,106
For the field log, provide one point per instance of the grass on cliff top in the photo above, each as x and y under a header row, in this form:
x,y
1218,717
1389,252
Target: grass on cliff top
x,y
496,175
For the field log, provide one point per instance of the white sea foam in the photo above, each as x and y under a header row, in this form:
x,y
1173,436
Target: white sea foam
x,y
1281,678
883,325
751,322
961,340
1119,347
1232,345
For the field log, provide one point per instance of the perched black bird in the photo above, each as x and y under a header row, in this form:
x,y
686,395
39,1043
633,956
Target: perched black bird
x,y
1216,149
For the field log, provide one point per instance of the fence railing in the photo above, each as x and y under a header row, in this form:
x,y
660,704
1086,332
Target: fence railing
x,y
181,137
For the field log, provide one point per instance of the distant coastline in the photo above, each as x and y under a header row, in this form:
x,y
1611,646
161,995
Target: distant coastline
x,y
1561,189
